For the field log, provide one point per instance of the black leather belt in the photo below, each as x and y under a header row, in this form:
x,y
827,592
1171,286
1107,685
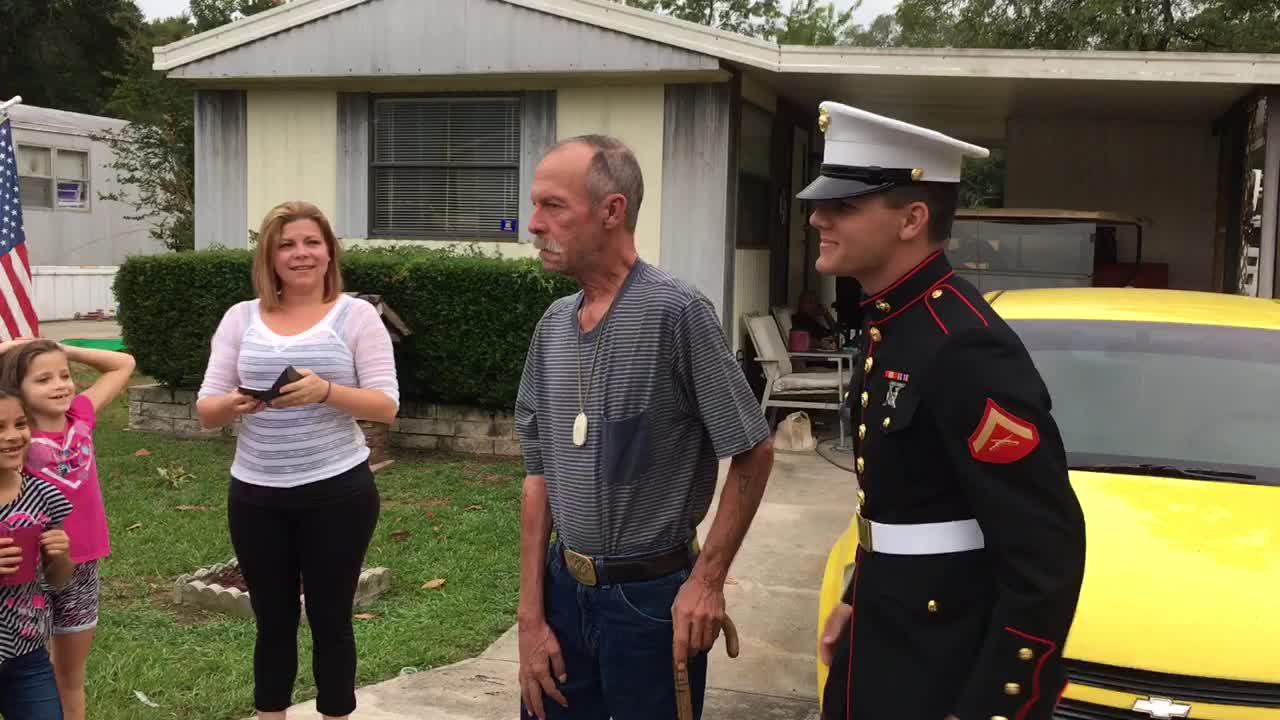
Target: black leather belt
x,y
592,571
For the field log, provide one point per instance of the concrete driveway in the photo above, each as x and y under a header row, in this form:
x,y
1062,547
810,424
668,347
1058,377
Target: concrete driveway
x,y
60,330
773,598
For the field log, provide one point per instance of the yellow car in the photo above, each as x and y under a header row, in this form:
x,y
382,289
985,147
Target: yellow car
x,y
1169,406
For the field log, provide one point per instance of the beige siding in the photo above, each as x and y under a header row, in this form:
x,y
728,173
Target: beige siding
x,y
1165,172
750,290
634,115
293,150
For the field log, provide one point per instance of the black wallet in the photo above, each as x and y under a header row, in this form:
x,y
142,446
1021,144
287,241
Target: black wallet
x,y
288,376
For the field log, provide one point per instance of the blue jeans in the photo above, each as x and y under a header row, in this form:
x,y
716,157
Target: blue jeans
x,y
616,643
28,690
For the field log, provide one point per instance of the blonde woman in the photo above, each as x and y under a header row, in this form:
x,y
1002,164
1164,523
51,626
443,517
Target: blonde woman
x,y
302,505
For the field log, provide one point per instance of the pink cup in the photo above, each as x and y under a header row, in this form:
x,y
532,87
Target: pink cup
x,y
800,341
27,538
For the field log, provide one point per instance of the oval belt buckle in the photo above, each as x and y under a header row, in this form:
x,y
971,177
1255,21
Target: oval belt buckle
x,y
581,567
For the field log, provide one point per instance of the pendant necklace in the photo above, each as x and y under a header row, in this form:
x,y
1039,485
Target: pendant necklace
x,y
580,422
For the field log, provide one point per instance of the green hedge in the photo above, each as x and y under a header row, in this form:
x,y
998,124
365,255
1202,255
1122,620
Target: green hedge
x,y
471,316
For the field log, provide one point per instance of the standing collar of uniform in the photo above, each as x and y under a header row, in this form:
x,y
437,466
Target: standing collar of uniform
x,y
909,289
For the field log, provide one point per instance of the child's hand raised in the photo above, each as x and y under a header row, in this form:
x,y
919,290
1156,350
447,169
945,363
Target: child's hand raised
x,y
10,556
8,345
55,543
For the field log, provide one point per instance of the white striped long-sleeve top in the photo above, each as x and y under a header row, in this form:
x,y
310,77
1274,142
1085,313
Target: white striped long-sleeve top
x,y
288,447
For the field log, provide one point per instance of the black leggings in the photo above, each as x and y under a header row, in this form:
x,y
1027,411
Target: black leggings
x,y
319,532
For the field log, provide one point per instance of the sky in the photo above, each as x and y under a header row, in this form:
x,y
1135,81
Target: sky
x,y
865,14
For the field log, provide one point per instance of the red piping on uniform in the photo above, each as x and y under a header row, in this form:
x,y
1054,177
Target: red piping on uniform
x,y
904,278
937,319
1035,679
857,557
922,296
966,302
853,604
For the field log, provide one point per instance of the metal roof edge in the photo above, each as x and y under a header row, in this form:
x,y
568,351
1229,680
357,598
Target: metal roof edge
x,y
694,37
246,30
605,14
1230,68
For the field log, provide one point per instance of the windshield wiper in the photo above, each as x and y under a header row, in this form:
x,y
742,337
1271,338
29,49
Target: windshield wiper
x,y
1191,473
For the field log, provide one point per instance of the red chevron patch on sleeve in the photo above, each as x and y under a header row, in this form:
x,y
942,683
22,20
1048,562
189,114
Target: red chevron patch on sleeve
x,y
1002,437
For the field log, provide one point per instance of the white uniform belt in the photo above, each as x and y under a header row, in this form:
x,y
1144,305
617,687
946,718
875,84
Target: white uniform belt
x,y
920,539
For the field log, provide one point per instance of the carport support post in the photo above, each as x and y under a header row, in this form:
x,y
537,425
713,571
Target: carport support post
x,y
1267,257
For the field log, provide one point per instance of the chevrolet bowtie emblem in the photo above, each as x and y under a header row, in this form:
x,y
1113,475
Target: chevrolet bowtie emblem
x,y
1162,708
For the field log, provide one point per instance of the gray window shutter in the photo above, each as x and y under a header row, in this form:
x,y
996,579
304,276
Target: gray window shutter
x,y
539,130
351,219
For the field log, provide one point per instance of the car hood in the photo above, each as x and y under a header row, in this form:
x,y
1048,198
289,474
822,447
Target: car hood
x,y
1182,576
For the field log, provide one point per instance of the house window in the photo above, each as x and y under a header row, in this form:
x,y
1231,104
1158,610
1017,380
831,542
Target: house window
x,y
73,179
445,166
35,176
49,177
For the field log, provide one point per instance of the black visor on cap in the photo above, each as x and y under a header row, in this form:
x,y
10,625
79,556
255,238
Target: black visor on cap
x,y
844,181
829,188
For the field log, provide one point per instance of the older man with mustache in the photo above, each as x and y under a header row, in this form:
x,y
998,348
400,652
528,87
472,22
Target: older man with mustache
x,y
629,399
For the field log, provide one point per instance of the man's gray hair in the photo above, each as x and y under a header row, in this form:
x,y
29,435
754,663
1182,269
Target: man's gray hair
x,y
613,169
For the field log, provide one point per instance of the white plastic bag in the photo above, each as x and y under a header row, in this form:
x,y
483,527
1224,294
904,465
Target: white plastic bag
x,y
795,433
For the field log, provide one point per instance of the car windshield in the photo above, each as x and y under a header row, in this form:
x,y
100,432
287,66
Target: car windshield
x,y
1205,399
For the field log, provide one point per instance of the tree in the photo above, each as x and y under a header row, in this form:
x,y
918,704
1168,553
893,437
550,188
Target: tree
x,y
155,153
884,31
156,160
756,18
62,53
1186,25
982,181
814,22
209,14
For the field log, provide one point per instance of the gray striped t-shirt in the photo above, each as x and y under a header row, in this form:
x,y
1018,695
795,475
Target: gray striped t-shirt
x,y
667,400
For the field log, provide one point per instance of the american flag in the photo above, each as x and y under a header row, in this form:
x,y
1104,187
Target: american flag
x,y
16,309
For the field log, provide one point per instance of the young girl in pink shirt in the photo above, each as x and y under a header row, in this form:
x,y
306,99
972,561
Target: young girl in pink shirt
x,y
62,455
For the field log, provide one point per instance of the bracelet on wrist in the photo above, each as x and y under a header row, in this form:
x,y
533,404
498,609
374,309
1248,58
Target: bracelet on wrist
x,y
327,390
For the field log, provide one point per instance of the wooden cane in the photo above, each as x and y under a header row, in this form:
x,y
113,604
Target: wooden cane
x,y
684,698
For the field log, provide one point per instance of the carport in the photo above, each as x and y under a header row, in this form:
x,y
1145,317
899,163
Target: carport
x,y
1184,142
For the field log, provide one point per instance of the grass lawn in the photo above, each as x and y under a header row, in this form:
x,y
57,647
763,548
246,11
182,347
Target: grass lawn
x,y
167,513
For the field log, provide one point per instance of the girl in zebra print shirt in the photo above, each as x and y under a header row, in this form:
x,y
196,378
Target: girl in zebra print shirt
x,y
34,557
62,456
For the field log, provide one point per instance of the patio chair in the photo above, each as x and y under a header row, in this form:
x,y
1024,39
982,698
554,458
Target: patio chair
x,y
783,314
789,389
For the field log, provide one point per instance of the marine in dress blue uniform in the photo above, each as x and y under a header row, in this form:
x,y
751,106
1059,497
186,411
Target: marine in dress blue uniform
x,y
971,539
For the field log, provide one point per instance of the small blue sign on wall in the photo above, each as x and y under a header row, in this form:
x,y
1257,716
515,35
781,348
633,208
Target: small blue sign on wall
x,y
508,225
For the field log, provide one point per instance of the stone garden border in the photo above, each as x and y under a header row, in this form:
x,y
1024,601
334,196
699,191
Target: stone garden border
x,y
191,589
